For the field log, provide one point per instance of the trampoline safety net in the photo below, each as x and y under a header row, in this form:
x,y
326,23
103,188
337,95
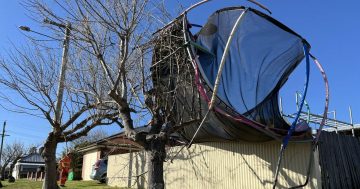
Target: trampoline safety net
x,y
262,55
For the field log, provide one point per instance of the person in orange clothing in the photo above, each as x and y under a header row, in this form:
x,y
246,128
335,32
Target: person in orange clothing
x,y
64,167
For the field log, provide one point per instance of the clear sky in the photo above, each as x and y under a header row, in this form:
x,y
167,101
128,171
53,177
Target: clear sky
x,y
331,27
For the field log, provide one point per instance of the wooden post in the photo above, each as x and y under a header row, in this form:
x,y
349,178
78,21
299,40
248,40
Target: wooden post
x,y
351,122
36,176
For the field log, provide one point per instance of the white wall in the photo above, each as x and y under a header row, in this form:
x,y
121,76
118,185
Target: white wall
x,y
89,160
15,171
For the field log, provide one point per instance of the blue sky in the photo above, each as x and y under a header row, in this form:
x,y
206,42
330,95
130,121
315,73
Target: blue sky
x,y
332,28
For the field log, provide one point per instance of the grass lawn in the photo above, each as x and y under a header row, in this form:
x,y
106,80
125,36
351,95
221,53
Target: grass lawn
x,y
28,184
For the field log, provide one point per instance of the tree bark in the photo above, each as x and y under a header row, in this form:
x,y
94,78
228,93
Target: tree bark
x,y
49,155
155,160
3,170
12,166
11,169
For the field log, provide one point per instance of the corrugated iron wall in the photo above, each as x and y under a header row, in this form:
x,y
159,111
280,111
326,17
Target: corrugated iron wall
x,y
221,165
126,170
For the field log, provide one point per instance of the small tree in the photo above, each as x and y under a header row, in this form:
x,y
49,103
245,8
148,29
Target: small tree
x,y
10,155
32,74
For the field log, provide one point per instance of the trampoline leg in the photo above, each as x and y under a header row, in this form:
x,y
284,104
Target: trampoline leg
x,y
278,165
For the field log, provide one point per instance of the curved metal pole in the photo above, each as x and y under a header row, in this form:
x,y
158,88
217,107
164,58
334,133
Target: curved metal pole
x,y
218,76
223,58
183,13
314,145
327,97
307,106
293,125
194,6
206,1
260,5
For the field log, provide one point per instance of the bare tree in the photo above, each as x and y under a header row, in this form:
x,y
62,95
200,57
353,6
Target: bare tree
x,y
118,36
10,155
92,136
32,73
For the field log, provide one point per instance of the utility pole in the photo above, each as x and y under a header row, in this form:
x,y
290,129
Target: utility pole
x,y
1,148
64,61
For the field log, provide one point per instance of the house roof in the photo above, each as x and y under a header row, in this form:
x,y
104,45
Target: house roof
x,y
32,158
118,143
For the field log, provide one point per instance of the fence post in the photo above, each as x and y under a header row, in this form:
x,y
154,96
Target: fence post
x,y
351,122
41,176
36,176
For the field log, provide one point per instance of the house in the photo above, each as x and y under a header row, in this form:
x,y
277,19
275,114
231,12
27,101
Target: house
x,y
94,151
28,163
91,153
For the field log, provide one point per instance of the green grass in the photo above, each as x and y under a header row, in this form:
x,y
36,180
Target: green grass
x,y
28,184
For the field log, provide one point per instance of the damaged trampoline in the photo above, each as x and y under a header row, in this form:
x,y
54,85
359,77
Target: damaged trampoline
x,y
228,77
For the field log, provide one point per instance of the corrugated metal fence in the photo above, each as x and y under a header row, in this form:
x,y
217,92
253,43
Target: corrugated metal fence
x,y
220,165
339,158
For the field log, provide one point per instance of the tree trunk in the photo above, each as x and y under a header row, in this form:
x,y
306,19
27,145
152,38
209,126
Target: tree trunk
x,y
12,166
49,155
155,160
3,172
11,169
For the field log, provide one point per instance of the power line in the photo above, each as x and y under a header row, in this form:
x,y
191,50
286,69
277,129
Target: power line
x,y
21,134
